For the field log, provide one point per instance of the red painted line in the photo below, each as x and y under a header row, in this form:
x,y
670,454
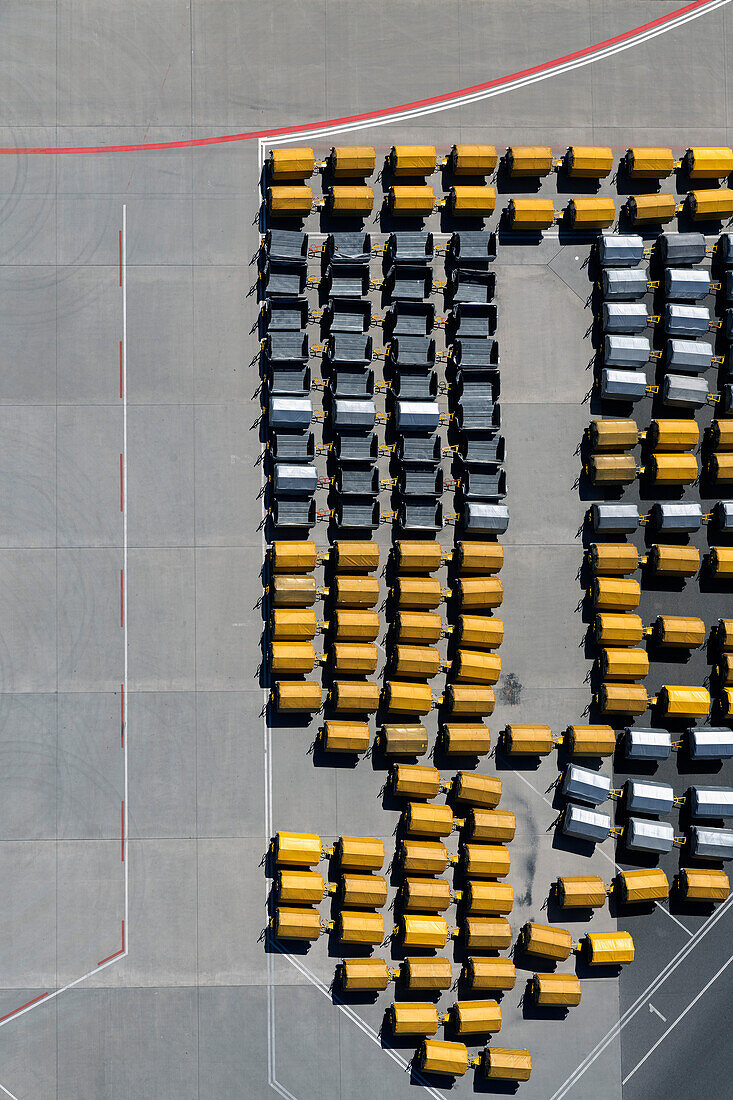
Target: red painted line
x,y
122,715
120,250
123,831
382,113
122,598
121,369
115,953
122,485
26,1005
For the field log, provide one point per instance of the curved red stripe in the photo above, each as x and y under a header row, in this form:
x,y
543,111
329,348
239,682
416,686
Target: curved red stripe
x,y
384,113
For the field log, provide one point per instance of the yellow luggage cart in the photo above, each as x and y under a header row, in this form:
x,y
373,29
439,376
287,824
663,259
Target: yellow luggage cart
x,y
295,923
355,591
546,941
367,975
499,974
359,853
423,930
475,592
465,739
588,161
580,892
704,884
618,629
720,469
683,632
674,469
488,898
474,1017
475,667
413,1018
291,164
361,891
613,435
359,927
467,701
418,661
354,696
297,625
472,160
645,163
427,819
595,740
350,200
412,160
296,849
484,860
673,435
486,933
712,204
726,702
491,825
425,895
293,557
290,202
590,213
420,974
630,699
355,555
414,780
624,664
528,740
604,469
480,631
351,161
558,990
423,857
674,561
418,593
299,887
411,201
421,556
651,209
293,591
684,701
477,790
409,740
407,697
647,884
446,1059
509,1064
530,213
724,635
721,436
613,559
297,695
616,593
724,669
418,627
708,162
529,160
476,202
720,561
609,948
291,657
479,557
354,657
345,737
355,626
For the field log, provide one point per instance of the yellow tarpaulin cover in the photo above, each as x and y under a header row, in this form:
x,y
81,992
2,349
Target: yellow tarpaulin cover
x,y
645,209
704,885
365,974
624,664
480,631
292,657
360,853
709,162
359,696
412,160
427,819
479,557
423,930
425,895
477,790
418,626
529,160
345,736
591,213
293,557
486,933
476,201
291,164
589,161
411,200
618,629
417,557
530,213
472,160
507,1064
528,740
300,887
474,592
681,701
418,592
292,201
613,559
489,973
607,469
354,657
296,924
414,780
726,701
293,591
474,667
469,700
353,626
616,593
423,857
420,973
485,860
724,636
546,940
678,630
643,885
413,1018
297,849
720,468
404,740
302,695
674,469
343,199
714,203
609,948
354,556
489,898
721,561
416,660
492,825
724,669
473,1017
556,989
613,435
649,163
348,161
362,891
295,625
721,435
403,697
360,927
675,561
355,591
449,1059
469,738
623,699
581,891
591,740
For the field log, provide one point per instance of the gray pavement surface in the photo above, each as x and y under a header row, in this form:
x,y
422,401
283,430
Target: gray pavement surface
x,y
197,1007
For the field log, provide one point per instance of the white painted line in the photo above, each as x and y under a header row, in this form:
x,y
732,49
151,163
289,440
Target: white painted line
x,y
126,694
641,1000
656,1013
673,917
7,1092
681,1016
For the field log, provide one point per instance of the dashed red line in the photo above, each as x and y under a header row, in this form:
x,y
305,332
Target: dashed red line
x,y
122,485
122,814
122,715
26,1005
120,252
121,393
115,953
122,598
